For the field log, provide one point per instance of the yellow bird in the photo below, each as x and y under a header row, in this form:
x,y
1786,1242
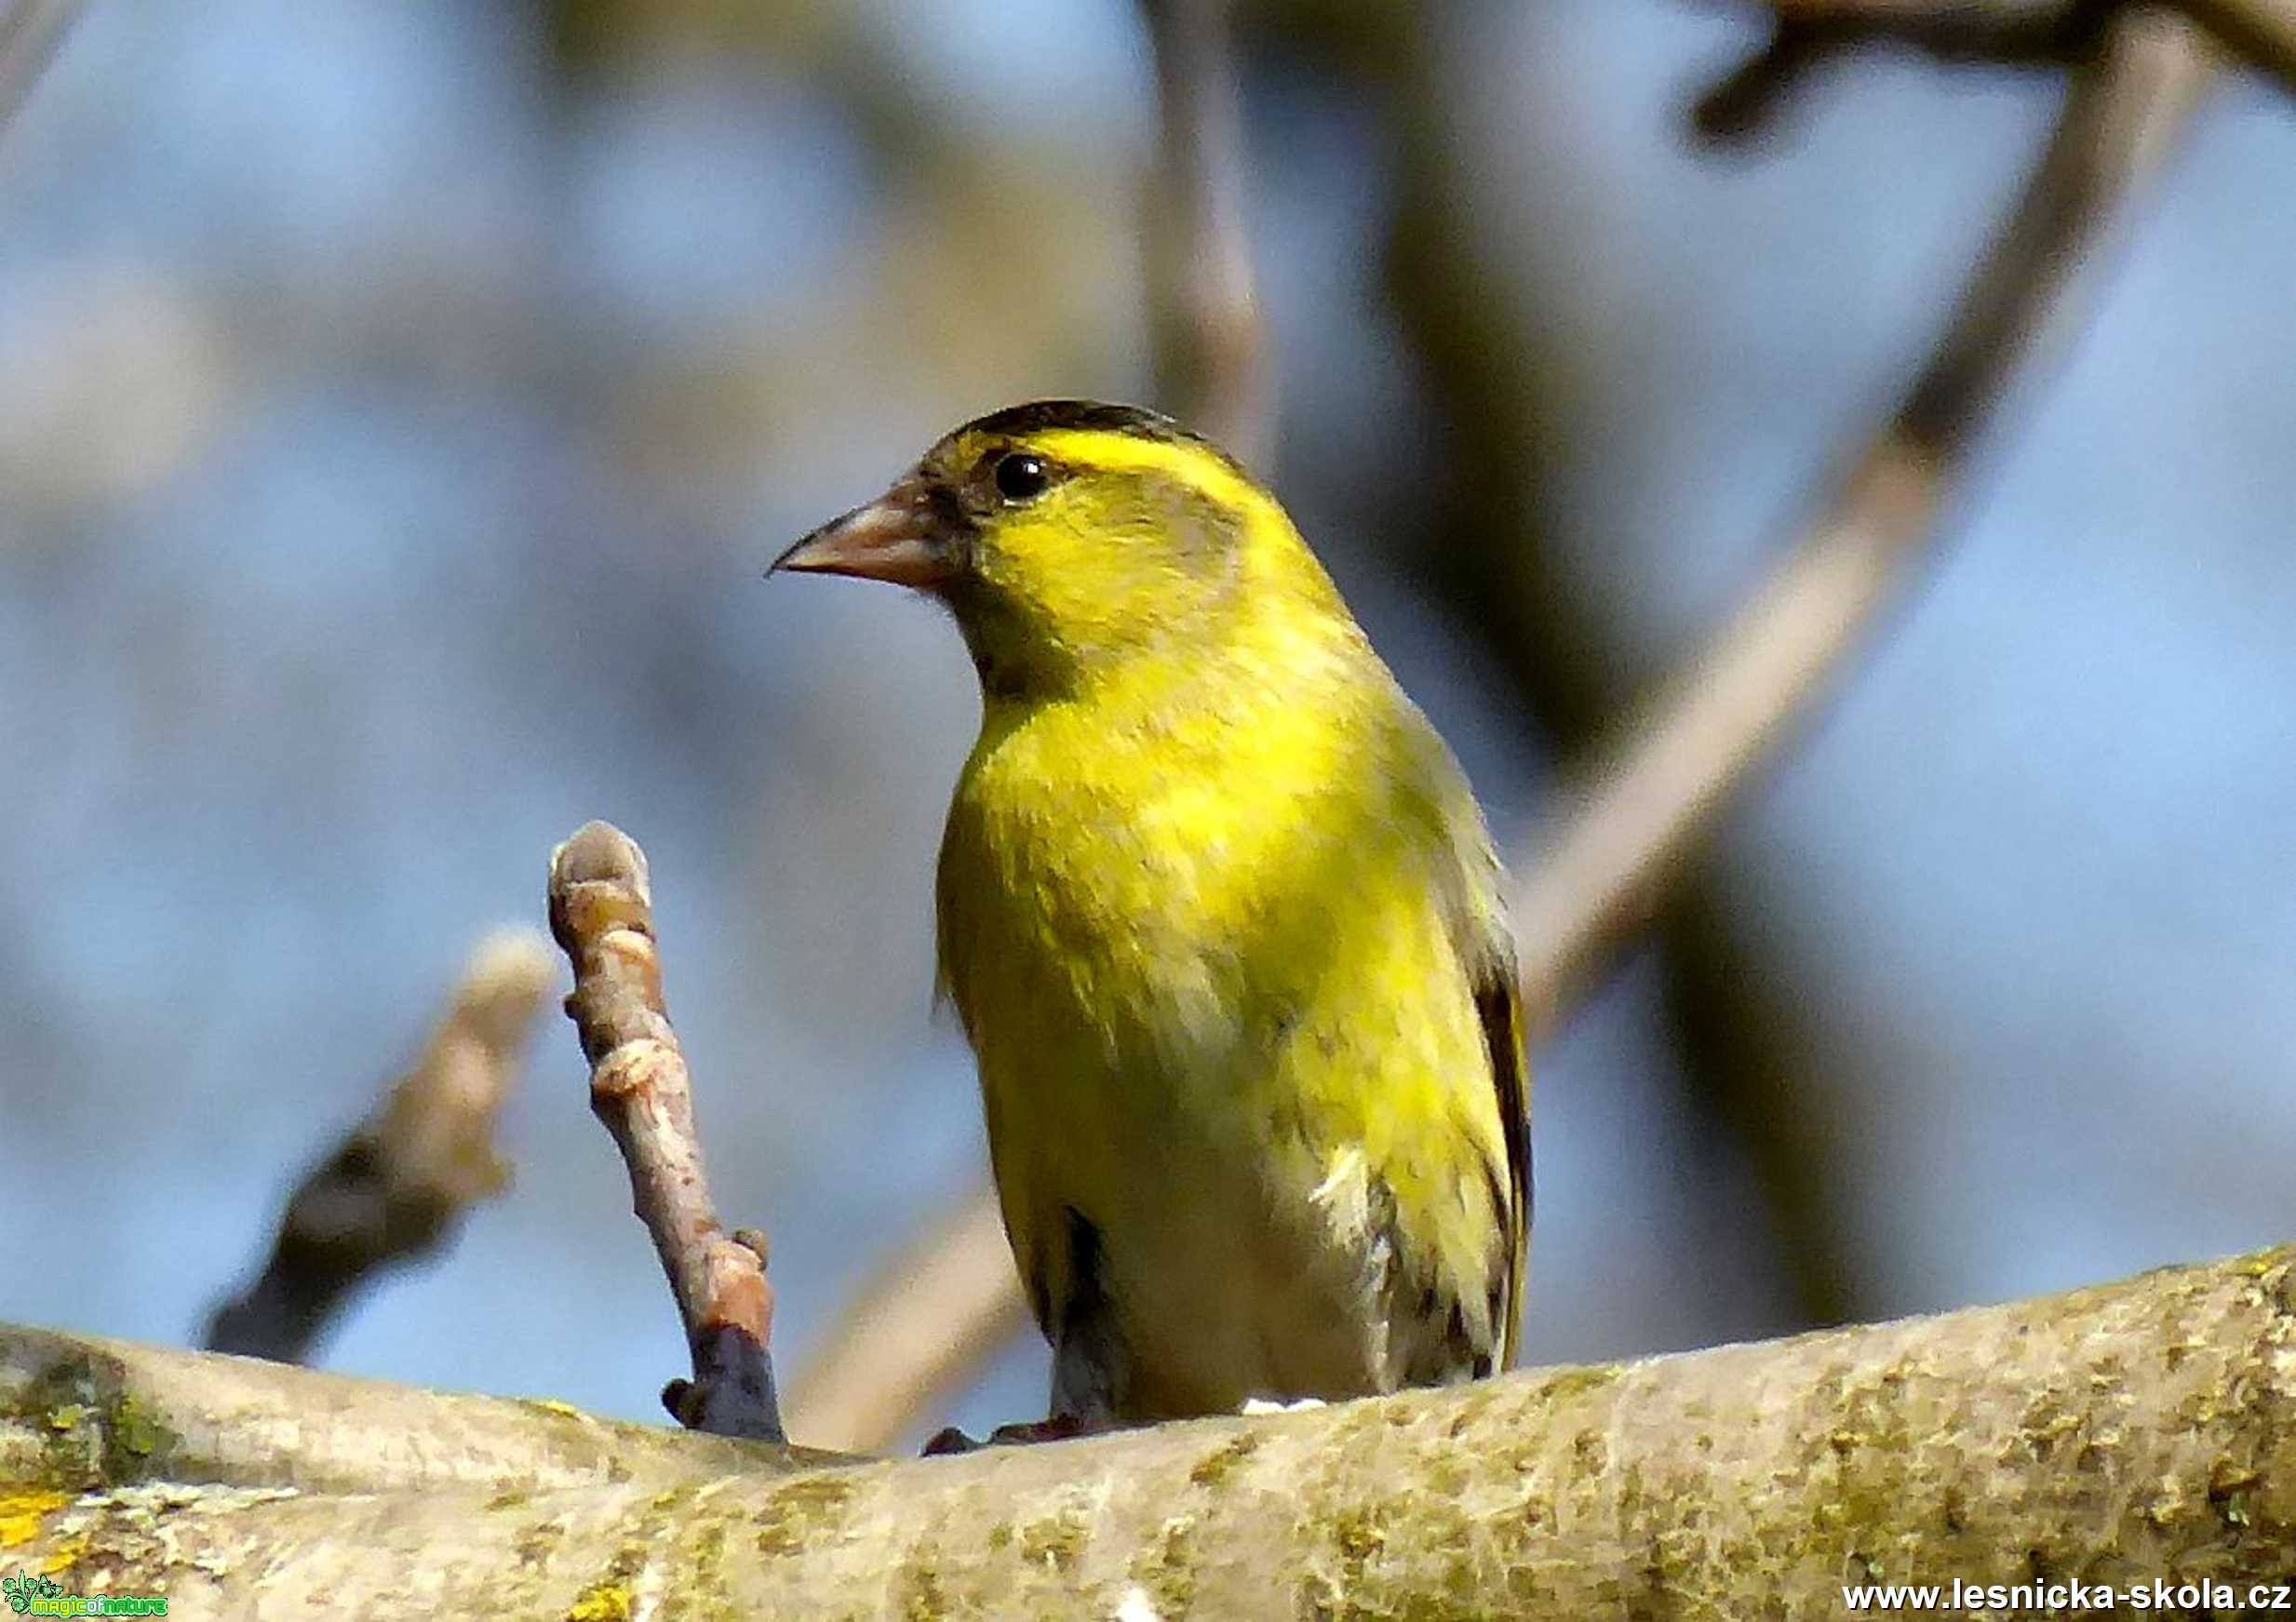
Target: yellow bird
x,y
1223,925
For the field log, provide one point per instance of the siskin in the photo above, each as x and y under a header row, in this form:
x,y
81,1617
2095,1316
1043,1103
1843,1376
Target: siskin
x,y
1223,925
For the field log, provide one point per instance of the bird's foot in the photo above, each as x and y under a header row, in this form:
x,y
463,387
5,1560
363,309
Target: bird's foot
x,y
1059,1427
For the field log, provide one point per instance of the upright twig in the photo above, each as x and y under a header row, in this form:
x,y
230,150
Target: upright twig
x,y
397,1187
601,912
29,32
1214,370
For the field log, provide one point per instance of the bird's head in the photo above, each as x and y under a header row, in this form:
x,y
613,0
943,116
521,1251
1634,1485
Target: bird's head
x,y
1068,537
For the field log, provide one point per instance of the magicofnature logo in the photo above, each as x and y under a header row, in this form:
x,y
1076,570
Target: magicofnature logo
x,y
31,1595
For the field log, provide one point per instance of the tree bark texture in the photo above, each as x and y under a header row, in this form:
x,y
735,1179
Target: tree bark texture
x,y
2122,1434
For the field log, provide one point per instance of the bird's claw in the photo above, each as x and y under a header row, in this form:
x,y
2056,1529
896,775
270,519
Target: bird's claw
x,y
1059,1427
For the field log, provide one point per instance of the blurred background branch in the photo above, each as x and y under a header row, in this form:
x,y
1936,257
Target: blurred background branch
x,y
2260,32
1807,37
29,32
913,1335
1809,32
1213,370
395,1190
1616,866
1603,876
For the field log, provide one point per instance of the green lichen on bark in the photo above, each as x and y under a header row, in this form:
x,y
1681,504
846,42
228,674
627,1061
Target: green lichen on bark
x,y
1163,1570
84,1426
1216,1465
919,1593
1056,1541
2136,1431
796,1512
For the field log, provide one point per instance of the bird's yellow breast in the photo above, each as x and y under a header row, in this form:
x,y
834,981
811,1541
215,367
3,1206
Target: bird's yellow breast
x,y
1194,921
1145,848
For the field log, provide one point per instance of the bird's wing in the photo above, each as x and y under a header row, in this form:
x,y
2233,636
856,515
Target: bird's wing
x,y
1472,887
1498,1004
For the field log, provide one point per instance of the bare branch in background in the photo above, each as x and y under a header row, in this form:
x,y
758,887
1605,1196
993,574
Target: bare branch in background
x,y
1809,34
397,1187
1596,880
601,912
1750,98
1212,365
913,1336
1601,878
29,32
2258,32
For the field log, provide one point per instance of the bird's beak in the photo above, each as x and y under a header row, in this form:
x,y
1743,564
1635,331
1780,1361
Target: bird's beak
x,y
894,538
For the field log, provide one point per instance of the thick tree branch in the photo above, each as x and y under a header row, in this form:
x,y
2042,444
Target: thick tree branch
x,y
79,1413
2139,1430
601,912
397,1187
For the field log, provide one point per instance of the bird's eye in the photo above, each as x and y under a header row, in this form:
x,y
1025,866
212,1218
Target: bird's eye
x,y
1021,478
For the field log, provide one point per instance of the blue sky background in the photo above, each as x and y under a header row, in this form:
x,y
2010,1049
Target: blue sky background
x,y
393,432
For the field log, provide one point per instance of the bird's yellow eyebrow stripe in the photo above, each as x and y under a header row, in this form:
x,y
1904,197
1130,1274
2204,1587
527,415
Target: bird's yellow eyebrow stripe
x,y
1191,465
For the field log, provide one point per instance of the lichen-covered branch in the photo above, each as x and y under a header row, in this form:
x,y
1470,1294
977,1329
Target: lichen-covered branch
x,y
397,1187
2138,1430
80,1414
601,912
